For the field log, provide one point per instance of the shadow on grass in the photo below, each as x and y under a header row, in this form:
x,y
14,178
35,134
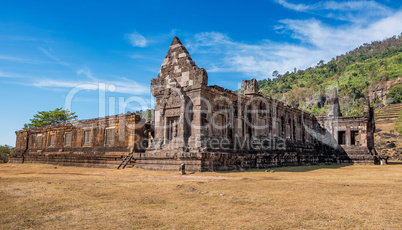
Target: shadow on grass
x,y
293,168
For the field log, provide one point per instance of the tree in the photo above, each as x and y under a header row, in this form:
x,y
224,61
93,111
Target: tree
x,y
148,115
395,93
50,117
4,151
320,63
275,73
332,67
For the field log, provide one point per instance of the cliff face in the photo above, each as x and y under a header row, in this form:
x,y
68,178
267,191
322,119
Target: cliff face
x,y
380,90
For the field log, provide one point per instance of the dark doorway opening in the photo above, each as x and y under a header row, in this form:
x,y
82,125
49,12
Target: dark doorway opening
x,y
341,137
354,137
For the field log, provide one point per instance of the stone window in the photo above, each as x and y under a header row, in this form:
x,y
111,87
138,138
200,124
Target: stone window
x,y
303,130
249,122
236,111
173,123
52,140
270,127
354,137
223,130
262,109
110,136
341,137
67,139
87,137
289,129
204,120
38,141
219,124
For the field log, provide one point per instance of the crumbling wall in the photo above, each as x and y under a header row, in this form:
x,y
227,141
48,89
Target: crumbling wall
x,y
109,140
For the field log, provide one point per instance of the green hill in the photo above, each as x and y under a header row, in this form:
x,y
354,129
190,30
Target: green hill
x,y
352,73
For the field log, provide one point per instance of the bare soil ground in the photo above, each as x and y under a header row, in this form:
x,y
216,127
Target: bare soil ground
x,y
35,196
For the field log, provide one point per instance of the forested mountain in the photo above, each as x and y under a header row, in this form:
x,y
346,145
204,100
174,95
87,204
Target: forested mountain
x,y
352,73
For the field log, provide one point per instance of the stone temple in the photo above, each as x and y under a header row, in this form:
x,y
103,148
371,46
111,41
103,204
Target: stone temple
x,y
206,127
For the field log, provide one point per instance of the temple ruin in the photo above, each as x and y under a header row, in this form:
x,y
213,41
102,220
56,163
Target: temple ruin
x,y
100,142
206,127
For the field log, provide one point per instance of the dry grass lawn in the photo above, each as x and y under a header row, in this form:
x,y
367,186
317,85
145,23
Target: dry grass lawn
x,y
35,196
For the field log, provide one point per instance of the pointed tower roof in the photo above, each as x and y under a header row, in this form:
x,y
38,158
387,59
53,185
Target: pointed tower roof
x,y
177,47
178,68
176,58
175,41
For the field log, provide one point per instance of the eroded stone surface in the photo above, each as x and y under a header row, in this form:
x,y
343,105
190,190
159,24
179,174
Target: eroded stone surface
x,y
70,148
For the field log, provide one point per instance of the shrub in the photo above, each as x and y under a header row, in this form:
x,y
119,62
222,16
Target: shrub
x,y
395,92
4,151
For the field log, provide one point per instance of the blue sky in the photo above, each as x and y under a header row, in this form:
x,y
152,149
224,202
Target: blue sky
x,y
60,53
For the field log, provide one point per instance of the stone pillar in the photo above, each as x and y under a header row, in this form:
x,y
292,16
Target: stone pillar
x,y
363,137
335,135
348,137
165,129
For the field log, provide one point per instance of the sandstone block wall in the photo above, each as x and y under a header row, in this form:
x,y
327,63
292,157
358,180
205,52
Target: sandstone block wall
x,y
101,142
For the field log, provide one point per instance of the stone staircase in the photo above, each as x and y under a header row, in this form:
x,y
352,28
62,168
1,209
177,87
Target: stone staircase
x,y
388,114
125,161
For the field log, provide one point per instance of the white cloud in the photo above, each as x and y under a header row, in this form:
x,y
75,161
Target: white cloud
x,y
47,53
137,40
87,72
43,82
354,11
341,39
13,75
297,7
91,83
318,42
23,60
257,60
122,85
130,87
137,56
3,74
